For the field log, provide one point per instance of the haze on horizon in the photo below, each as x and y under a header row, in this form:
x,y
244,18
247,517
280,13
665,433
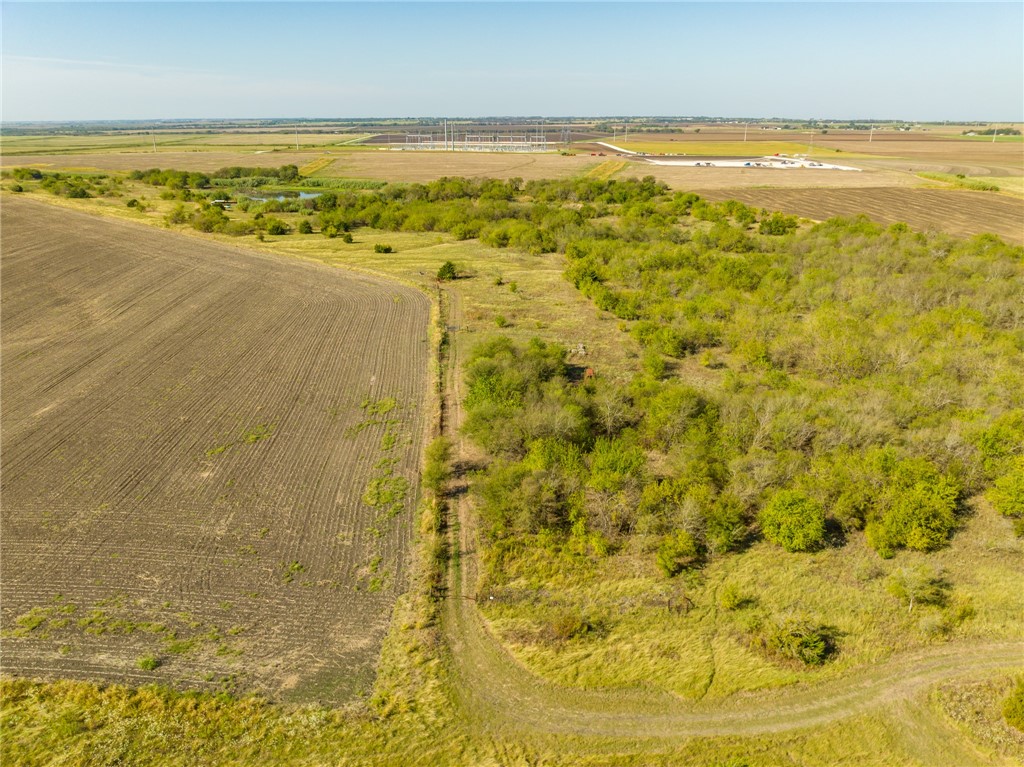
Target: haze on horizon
x,y
145,61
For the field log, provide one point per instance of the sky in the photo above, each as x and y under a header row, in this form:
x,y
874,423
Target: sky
x,y
921,61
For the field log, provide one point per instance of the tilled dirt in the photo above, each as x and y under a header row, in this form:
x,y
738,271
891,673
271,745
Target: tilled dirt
x,y
952,211
186,451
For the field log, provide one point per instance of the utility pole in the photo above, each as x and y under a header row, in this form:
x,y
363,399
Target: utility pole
x,y
296,137
871,134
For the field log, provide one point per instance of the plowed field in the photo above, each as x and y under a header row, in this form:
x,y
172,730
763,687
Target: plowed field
x,y
953,211
209,459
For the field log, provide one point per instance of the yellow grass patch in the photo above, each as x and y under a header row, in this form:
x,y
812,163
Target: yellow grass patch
x,y
317,165
605,170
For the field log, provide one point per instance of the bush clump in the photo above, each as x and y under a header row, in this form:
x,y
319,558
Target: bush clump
x,y
447,272
149,663
1013,706
382,248
794,521
799,639
679,551
1007,495
921,585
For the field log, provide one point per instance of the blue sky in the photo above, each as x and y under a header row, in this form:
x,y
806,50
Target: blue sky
x,y
136,60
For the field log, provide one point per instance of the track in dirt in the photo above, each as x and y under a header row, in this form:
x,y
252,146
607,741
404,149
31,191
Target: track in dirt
x,y
186,456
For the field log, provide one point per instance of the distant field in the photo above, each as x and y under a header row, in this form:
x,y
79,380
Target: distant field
x,y
953,211
184,159
27,145
426,166
209,459
750,148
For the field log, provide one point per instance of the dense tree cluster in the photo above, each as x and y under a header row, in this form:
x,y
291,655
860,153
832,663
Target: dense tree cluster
x,y
874,382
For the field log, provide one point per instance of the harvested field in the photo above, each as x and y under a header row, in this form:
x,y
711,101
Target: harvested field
x,y
209,459
953,211
690,178
389,165
142,160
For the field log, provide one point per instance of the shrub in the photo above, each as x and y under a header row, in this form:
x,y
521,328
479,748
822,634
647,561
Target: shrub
x,y
1007,493
347,238
799,639
276,226
918,516
918,585
679,551
305,227
777,224
1013,706
794,521
501,321
731,598
447,271
381,248
17,188
177,216
148,663
436,469
565,625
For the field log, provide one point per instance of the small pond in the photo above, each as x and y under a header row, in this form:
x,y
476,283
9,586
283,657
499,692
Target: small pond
x,y
282,196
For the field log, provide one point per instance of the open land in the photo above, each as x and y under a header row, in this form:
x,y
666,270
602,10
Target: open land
x,y
187,454
477,690
888,188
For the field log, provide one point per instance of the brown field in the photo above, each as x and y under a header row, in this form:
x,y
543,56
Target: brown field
x,y
688,178
186,455
390,165
944,152
954,211
141,160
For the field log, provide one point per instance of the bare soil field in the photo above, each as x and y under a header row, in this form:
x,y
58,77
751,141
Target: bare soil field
x,y
957,212
428,166
141,160
886,149
388,165
690,178
209,459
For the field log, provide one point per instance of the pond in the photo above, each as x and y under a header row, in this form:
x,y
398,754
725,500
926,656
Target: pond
x,y
282,196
